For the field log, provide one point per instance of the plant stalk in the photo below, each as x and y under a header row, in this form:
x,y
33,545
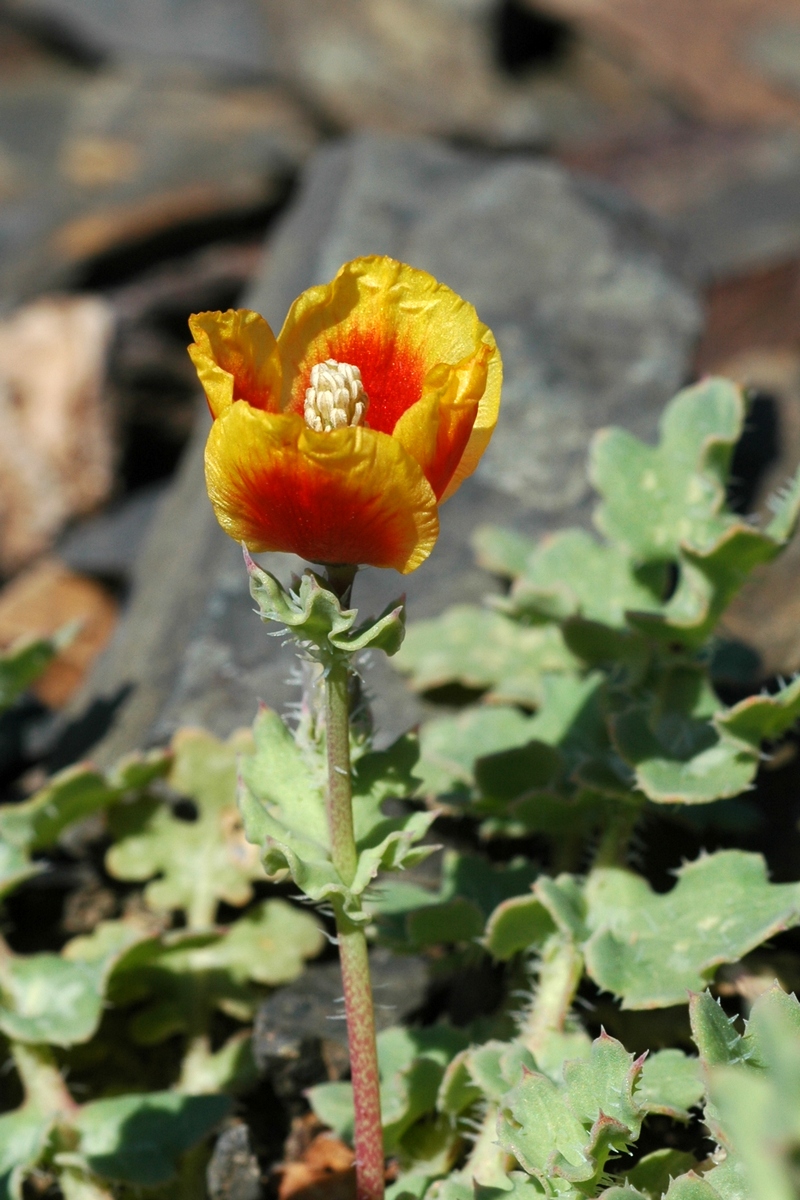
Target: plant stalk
x,y
353,957
560,970
41,1079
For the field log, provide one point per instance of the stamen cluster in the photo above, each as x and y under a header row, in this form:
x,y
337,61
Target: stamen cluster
x,y
336,397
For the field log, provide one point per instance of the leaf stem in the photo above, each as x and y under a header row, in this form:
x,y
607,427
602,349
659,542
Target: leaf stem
x,y
560,970
43,1082
353,956
612,850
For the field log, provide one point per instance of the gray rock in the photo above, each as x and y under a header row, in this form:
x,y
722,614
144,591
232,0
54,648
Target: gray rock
x,y
93,161
107,545
595,325
233,1172
299,1034
228,35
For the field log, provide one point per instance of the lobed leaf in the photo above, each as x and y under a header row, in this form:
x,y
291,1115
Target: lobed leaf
x,y
197,863
283,808
651,949
486,650
138,1139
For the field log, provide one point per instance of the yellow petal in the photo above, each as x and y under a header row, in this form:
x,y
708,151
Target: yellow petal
x,y
437,430
350,496
236,358
486,419
390,320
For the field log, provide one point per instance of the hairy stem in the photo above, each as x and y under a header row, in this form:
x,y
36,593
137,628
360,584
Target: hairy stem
x,y
352,941
612,850
560,970
42,1080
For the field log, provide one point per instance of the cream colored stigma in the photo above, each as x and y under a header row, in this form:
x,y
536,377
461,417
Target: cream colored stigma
x,y
336,397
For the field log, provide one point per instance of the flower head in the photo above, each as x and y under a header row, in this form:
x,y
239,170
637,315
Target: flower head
x,y
338,439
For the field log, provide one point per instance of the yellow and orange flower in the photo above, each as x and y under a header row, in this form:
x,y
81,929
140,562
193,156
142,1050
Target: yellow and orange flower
x,y
338,440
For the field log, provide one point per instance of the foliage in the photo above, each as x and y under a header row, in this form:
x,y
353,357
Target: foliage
x,y
601,711
175,978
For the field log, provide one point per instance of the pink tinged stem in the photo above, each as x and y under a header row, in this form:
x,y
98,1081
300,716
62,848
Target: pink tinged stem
x,y
353,945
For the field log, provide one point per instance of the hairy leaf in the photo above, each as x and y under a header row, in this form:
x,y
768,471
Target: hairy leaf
x,y
138,1139
198,862
483,649
651,949
22,1139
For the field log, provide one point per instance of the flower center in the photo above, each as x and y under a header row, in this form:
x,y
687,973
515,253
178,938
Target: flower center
x,y
336,397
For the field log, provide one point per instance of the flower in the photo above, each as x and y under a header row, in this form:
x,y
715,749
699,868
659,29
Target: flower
x,y
338,440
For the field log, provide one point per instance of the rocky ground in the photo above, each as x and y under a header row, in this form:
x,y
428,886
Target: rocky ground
x,y
614,184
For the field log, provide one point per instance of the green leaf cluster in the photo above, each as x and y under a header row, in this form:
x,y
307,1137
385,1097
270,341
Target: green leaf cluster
x,y
56,1006
610,641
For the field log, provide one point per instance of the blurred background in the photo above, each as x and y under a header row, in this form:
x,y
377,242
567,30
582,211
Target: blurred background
x,y
637,163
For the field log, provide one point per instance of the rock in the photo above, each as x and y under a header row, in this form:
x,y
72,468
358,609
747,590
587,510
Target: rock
x,y
326,1171
233,1172
56,455
594,327
96,161
436,67
726,60
226,35
46,597
311,1008
107,545
730,192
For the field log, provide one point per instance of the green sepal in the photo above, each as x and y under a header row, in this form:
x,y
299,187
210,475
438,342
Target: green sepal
x,y
282,801
313,614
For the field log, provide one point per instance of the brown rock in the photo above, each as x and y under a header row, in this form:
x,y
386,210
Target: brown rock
x,y
325,1172
92,161
712,56
56,455
43,599
416,66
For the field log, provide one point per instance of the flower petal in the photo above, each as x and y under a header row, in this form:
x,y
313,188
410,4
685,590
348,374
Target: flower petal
x,y
486,419
236,357
348,496
437,429
393,322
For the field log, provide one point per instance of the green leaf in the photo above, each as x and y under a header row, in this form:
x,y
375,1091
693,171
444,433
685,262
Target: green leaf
x,y
691,1187
653,1173
283,808
268,945
483,649
571,574
412,1064
138,1139
23,1135
27,660
670,1083
449,746
714,1033
762,718
651,949
502,551
517,924
471,888
72,795
656,498
198,863
15,867
44,998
